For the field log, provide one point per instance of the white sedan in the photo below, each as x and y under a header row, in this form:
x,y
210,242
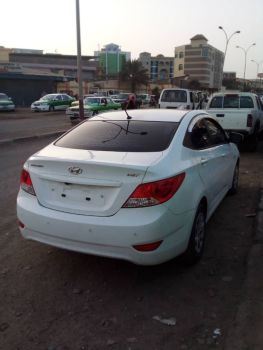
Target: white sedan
x,y
139,187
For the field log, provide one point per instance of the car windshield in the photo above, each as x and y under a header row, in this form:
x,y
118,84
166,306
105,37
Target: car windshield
x,y
91,100
120,136
3,97
123,96
47,98
174,96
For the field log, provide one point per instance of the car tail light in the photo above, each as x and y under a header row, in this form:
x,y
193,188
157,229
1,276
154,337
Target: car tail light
x,y
148,247
249,120
26,182
154,193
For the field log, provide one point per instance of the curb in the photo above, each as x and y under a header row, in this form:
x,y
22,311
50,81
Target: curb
x,y
29,138
246,332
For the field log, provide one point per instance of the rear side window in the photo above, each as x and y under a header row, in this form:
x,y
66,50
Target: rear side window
x,y
174,96
120,136
246,102
217,102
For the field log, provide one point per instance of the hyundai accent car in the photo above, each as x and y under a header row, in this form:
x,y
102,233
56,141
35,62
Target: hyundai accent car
x,y
6,103
52,102
138,186
92,106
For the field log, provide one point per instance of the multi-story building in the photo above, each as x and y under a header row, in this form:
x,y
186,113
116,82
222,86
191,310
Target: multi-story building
x,y
159,68
199,61
111,59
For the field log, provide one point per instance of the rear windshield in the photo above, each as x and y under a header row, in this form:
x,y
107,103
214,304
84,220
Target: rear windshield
x,y
120,136
232,101
174,96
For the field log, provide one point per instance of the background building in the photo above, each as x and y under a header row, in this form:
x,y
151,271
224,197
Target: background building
x,y
199,62
26,74
111,59
159,68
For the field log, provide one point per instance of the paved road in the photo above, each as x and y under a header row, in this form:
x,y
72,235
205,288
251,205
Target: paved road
x,y
24,123
54,299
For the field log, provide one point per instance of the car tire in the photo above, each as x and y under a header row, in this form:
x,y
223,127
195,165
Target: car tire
x,y
252,142
234,187
51,109
196,242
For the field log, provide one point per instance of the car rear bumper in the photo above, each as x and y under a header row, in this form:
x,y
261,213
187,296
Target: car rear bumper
x,y
112,236
7,107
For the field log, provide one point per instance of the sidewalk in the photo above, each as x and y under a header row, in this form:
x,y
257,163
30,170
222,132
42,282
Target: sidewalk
x,y
247,332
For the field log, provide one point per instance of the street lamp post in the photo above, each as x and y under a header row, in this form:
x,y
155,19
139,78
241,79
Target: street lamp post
x,y
258,64
79,63
227,40
245,52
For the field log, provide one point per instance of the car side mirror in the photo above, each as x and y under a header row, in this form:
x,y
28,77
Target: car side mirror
x,y
235,137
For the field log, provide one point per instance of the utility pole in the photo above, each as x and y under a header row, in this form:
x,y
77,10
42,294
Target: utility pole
x,y
79,63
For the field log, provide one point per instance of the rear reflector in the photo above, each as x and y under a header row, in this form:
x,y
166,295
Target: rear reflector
x,y
148,247
154,193
26,182
20,224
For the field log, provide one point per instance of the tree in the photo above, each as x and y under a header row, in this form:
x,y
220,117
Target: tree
x,y
134,72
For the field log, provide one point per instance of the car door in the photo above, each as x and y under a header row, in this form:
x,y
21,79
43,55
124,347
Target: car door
x,y
222,151
209,158
58,102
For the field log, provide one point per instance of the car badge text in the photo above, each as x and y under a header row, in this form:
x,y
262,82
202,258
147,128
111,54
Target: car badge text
x,y
75,170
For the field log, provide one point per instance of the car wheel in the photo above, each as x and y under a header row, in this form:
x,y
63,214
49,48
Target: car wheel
x,y
234,186
51,108
196,243
252,142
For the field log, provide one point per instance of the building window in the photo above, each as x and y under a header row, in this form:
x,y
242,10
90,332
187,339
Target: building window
x,y
175,56
205,52
180,67
181,54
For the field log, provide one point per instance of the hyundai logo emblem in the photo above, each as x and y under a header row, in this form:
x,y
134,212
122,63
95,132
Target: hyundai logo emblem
x,y
75,170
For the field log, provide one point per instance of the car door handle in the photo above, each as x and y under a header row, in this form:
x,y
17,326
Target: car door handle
x,y
223,155
204,161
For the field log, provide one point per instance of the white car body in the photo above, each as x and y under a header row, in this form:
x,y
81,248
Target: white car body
x,y
81,195
175,98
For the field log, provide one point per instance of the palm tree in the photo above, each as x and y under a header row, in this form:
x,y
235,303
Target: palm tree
x,y
134,72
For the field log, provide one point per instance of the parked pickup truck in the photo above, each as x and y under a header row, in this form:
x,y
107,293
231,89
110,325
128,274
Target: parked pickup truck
x,y
240,112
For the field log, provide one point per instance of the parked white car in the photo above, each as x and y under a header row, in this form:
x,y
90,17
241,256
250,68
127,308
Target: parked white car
x,y
175,98
138,186
240,112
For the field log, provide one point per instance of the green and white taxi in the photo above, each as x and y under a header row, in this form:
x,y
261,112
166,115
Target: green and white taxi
x,y
6,103
92,106
52,102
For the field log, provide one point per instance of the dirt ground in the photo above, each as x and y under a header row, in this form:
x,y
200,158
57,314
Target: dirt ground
x,y
53,299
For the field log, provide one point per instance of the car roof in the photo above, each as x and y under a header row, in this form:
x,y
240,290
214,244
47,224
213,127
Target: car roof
x,y
167,115
227,93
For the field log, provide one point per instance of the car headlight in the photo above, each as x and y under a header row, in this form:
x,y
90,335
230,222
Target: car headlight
x,y
88,113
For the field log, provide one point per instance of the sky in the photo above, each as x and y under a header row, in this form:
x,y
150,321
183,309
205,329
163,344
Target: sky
x,y
155,26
